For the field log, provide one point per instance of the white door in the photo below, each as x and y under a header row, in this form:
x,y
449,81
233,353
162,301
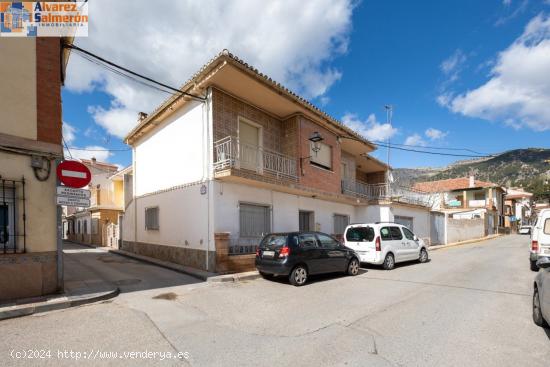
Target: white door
x,y
412,247
249,146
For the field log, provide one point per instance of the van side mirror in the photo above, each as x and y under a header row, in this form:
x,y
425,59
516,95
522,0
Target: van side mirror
x,y
543,262
415,238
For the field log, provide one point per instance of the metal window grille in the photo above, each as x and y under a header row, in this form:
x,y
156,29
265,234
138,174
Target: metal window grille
x,y
12,216
152,218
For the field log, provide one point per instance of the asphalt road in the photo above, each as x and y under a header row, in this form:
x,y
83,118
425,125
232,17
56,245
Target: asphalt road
x,y
469,306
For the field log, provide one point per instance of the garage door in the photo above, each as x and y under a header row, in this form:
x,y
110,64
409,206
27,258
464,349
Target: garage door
x,y
406,221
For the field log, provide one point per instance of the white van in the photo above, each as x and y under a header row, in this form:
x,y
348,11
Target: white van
x,y
385,244
540,239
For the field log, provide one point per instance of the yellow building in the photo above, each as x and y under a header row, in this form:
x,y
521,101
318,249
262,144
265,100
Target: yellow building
x,y
32,72
98,224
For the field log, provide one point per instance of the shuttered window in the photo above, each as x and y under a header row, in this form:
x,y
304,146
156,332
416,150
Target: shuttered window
x,y
152,218
254,220
323,157
340,223
95,225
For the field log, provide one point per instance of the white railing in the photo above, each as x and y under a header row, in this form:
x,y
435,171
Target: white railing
x,y
386,191
229,152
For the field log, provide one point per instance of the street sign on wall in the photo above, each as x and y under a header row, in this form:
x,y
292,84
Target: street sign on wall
x,y
73,197
73,174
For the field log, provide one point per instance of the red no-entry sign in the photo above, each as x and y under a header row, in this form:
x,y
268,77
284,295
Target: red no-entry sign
x,y
73,174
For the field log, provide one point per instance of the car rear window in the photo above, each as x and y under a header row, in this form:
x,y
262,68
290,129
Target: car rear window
x,y
273,241
360,234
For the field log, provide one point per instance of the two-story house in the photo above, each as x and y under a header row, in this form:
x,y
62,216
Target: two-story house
x,y
517,207
237,155
95,225
467,198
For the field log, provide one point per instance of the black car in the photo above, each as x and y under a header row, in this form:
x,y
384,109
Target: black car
x,y
300,254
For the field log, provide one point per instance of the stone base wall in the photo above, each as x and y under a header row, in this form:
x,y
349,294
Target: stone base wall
x,y
178,255
27,275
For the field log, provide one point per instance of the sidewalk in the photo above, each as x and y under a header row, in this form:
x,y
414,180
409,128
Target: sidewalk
x,y
454,244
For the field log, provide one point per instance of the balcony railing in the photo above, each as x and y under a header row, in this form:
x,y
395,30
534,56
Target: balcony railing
x,y
386,191
229,152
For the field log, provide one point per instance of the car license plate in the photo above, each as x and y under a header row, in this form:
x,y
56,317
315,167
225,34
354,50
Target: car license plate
x,y
268,254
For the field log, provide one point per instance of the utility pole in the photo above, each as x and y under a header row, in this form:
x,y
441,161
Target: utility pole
x,y
389,112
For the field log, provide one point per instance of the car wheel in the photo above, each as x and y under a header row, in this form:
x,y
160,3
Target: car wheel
x,y
537,312
423,256
534,266
353,267
298,276
389,262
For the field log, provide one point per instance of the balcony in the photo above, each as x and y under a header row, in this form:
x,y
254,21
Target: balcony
x,y
230,153
384,191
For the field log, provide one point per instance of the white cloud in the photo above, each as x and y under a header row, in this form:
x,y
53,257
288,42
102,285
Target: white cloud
x,y
93,151
69,132
506,2
292,42
415,139
435,134
370,128
517,11
518,92
452,66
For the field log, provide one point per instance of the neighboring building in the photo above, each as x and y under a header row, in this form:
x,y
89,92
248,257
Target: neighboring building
x,y
31,71
466,198
517,208
98,224
212,174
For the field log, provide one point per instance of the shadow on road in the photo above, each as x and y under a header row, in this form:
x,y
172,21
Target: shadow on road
x,y
87,269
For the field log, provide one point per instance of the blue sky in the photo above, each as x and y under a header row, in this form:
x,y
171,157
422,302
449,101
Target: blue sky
x,y
460,74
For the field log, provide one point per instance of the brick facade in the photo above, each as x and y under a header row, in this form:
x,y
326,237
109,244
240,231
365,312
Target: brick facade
x,y
48,89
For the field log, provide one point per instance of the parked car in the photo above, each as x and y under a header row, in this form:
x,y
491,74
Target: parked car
x,y
297,255
540,239
524,229
385,244
541,293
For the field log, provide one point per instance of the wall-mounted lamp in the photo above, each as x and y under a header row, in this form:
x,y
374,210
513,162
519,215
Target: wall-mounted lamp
x,y
316,139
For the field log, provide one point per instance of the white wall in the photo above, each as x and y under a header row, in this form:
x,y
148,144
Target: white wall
x,y
285,208
421,219
183,219
175,153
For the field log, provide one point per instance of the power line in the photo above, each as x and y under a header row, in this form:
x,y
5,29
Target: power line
x,y
110,63
100,150
66,147
431,147
433,153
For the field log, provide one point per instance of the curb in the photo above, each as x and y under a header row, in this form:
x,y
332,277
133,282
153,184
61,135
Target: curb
x,y
58,303
237,277
199,274
455,244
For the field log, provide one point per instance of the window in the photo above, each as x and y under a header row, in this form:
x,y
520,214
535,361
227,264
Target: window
x,y
479,196
327,242
408,234
308,241
323,157
385,234
547,226
254,220
396,233
306,221
360,234
152,218
273,241
85,226
4,224
78,227
95,225
340,223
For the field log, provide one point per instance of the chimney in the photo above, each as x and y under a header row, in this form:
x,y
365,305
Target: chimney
x,y
142,116
472,180
94,160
